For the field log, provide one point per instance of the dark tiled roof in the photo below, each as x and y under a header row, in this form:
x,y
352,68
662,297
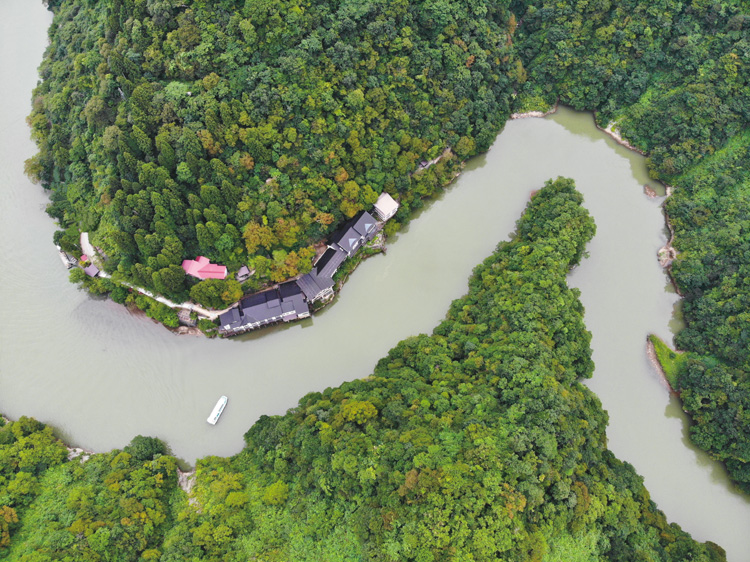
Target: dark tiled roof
x,y
287,290
312,284
329,262
287,303
351,236
300,309
365,224
308,286
303,309
264,308
230,318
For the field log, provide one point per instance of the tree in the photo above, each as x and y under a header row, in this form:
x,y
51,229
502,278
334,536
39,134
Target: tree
x,y
257,235
216,293
145,448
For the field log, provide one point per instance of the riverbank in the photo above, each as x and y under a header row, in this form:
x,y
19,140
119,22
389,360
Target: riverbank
x,y
666,360
529,114
613,131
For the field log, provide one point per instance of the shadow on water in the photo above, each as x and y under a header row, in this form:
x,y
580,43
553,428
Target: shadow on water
x,y
276,329
716,469
677,323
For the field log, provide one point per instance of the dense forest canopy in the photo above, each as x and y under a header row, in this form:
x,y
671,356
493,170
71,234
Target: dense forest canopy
x,y
246,131
477,442
675,78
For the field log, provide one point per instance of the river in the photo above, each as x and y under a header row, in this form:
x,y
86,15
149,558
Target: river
x,y
101,375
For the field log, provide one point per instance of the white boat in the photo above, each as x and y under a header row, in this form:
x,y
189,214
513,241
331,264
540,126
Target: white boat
x,y
218,409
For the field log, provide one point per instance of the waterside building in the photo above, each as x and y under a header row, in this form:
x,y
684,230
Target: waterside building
x,y
290,300
282,304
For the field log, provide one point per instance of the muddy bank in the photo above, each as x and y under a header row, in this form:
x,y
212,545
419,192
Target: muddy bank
x,y
668,253
613,131
654,360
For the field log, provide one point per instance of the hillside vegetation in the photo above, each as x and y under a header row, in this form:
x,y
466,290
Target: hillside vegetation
x,y
247,131
477,442
675,78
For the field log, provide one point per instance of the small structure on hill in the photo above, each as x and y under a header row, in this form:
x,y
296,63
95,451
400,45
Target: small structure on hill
x,y
243,274
91,270
385,207
201,268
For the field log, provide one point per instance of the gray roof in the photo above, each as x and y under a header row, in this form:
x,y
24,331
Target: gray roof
x,y
289,290
243,273
287,303
230,318
263,308
365,224
308,286
355,232
293,300
312,285
329,262
91,270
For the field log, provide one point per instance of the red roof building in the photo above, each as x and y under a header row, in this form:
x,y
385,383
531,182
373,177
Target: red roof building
x,y
201,268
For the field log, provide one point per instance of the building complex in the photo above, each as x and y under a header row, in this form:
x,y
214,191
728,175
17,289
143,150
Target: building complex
x,y
290,301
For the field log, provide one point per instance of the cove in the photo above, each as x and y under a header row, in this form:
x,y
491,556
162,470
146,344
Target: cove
x,y
102,376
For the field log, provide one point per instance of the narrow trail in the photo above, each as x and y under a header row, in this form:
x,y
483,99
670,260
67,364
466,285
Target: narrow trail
x,y
91,252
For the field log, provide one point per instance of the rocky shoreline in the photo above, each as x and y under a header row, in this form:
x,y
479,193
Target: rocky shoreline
x,y
613,131
528,114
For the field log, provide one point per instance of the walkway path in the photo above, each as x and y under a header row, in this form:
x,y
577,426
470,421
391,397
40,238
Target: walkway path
x,y
89,250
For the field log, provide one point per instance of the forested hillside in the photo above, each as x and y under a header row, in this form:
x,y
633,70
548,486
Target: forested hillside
x,y
675,77
247,131
477,442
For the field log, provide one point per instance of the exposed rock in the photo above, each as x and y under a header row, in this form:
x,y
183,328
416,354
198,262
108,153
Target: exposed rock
x,y
78,453
534,113
186,480
187,331
667,254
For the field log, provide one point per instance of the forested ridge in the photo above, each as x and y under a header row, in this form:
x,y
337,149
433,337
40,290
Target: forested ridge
x,y
477,442
246,131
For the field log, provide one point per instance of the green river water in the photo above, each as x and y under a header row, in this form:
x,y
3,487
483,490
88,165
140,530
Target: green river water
x,y
101,375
